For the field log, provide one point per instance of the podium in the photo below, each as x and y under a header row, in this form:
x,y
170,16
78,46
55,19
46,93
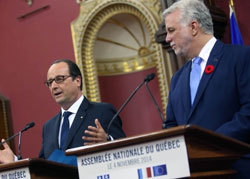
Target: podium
x,y
198,152
37,169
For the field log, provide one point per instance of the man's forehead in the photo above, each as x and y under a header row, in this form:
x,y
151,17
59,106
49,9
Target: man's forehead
x,y
173,15
173,20
58,69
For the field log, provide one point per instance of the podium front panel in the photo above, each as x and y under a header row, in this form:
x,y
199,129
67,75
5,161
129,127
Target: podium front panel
x,y
19,173
165,158
37,169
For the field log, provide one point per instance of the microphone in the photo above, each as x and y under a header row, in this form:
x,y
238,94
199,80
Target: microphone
x,y
146,80
156,105
28,126
149,77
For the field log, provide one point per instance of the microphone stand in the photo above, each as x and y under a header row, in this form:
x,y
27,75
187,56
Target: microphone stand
x,y
146,80
19,156
124,104
19,143
1,143
29,125
156,105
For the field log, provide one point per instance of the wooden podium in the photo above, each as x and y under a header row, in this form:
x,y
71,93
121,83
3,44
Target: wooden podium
x,y
37,169
210,155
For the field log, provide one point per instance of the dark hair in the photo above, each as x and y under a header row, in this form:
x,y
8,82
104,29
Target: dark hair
x,y
74,70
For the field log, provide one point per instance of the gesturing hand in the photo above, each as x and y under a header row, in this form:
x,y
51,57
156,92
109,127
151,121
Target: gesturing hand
x,y
95,134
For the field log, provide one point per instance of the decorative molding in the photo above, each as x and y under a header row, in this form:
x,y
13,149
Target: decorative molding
x,y
125,65
4,118
6,129
94,16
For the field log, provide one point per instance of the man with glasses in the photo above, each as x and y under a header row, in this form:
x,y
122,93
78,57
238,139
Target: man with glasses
x,y
85,122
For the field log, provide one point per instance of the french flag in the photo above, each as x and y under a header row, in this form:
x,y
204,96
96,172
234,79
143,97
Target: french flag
x,y
151,172
144,173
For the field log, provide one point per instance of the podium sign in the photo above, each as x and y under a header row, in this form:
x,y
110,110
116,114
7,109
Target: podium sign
x,y
37,169
183,151
22,173
165,158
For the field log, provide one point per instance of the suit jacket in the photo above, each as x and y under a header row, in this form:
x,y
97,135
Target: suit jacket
x,y
85,116
222,102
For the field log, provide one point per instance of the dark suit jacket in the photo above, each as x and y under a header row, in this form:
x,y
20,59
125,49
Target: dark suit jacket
x,y
85,116
222,102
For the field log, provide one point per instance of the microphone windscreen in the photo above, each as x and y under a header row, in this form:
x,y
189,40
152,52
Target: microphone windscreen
x,y
149,77
29,125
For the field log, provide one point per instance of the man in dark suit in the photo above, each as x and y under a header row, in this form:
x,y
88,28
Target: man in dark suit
x,y
212,89
86,123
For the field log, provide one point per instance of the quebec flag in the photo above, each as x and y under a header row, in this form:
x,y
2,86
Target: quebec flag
x,y
235,31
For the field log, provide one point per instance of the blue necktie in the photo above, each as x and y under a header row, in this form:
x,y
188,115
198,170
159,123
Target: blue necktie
x,y
195,77
65,129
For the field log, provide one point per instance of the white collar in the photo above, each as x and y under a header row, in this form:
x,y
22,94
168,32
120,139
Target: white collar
x,y
206,50
74,107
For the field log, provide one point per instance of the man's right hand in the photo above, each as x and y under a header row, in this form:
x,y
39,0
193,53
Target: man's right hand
x,y
6,155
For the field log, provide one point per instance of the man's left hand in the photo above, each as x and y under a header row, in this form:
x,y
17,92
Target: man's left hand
x,y
95,134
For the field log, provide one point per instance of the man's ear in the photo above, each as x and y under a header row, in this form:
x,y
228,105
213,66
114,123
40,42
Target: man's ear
x,y
78,80
194,27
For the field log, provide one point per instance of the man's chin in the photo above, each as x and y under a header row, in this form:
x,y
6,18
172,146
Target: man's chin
x,y
180,53
59,100
176,52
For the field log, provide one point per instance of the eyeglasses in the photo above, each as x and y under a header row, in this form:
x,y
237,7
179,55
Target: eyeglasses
x,y
58,79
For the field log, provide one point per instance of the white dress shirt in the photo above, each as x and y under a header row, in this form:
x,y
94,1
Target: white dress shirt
x,y
205,53
73,109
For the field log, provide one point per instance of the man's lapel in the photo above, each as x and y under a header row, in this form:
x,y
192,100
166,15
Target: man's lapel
x,y
181,92
185,89
79,119
213,60
54,133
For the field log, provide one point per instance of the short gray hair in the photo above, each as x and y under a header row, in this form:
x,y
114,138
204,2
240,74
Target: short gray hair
x,y
192,10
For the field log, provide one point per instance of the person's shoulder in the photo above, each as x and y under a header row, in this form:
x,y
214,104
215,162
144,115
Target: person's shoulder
x,y
92,105
237,53
52,120
101,105
235,48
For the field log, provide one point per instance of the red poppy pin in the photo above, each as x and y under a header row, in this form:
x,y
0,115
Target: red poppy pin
x,y
209,69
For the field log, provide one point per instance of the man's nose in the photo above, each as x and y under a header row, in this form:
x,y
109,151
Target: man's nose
x,y
168,38
53,85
